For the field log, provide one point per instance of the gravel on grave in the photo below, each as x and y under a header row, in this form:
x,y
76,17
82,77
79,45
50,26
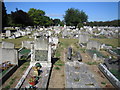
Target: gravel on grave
x,y
79,76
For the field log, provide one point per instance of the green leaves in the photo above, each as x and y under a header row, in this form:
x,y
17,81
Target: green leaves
x,y
39,17
74,16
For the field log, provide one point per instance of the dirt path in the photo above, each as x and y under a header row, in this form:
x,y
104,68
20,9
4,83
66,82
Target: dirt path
x,y
57,79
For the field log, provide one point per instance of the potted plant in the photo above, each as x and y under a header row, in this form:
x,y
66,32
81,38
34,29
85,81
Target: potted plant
x,y
32,81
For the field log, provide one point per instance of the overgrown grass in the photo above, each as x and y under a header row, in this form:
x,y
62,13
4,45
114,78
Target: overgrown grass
x,y
112,42
18,41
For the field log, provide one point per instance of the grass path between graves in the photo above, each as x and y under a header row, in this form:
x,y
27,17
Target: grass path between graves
x,y
14,79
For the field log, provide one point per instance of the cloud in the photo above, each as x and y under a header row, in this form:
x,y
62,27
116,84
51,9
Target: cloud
x,y
54,15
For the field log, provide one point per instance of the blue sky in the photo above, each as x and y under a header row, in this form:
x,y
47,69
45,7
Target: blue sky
x,y
96,11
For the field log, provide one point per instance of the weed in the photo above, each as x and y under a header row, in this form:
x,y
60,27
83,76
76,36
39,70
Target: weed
x,y
104,83
57,68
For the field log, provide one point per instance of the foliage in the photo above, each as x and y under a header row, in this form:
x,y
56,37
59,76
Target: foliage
x,y
39,17
74,16
56,22
4,15
106,23
21,18
80,25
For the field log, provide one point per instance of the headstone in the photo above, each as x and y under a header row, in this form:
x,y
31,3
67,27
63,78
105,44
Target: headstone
x,y
9,55
84,38
94,56
93,44
7,45
8,33
41,44
26,44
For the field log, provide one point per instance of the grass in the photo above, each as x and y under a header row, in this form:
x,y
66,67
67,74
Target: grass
x,y
99,54
11,82
18,41
92,63
57,68
7,87
109,41
116,73
104,83
59,63
83,50
67,42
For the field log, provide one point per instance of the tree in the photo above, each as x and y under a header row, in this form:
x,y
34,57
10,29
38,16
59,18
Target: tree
x,y
36,15
20,17
56,22
4,16
74,16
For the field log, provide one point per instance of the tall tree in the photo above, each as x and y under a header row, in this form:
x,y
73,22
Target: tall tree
x,y
21,18
39,17
36,15
4,16
74,16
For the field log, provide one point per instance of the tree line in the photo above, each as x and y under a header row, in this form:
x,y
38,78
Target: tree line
x,y
34,17
115,23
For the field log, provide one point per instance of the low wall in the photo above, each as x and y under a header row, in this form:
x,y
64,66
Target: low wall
x,y
8,74
109,75
23,78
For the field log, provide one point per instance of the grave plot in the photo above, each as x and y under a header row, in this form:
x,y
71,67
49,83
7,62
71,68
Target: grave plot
x,y
78,76
37,81
5,67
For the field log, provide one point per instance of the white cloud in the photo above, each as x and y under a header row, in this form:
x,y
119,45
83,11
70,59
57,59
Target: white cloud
x,y
54,15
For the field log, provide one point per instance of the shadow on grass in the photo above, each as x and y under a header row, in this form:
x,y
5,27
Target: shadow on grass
x,y
54,60
21,62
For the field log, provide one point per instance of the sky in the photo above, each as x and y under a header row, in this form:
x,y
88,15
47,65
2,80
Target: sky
x,y
96,11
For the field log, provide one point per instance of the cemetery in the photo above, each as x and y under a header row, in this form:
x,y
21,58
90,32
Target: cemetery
x,y
40,45
56,49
